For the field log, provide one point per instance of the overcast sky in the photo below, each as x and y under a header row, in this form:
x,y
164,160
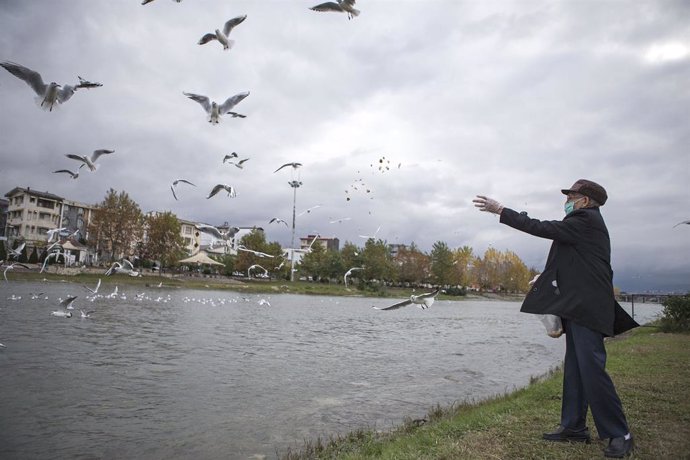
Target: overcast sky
x,y
410,110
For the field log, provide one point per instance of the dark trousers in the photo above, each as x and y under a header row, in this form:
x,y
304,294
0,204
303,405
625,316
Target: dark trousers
x,y
586,384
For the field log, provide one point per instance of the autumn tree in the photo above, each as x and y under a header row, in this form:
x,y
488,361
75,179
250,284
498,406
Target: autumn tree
x,y
413,265
117,224
462,265
256,241
377,261
442,264
164,240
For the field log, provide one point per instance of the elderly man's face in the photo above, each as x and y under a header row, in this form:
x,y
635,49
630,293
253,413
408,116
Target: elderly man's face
x,y
580,200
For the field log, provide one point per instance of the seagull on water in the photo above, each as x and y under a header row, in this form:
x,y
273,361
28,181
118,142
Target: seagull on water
x,y
294,165
424,301
214,110
73,175
341,6
264,302
222,37
349,272
11,267
65,306
174,185
89,161
48,95
217,188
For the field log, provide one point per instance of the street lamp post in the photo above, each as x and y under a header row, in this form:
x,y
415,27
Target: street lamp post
x,y
295,185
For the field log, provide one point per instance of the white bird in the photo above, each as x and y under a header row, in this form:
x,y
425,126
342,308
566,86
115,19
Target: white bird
x,y
57,253
2,345
214,110
95,290
256,253
308,210
230,156
264,302
371,236
73,175
424,301
174,185
294,165
217,188
66,305
89,161
53,232
239,164
256,266
144,2
222,37
213,231
124,267
342,6
277,221
681,223
48,95
16,252
87,314
341,220
349,272
35,296
11,267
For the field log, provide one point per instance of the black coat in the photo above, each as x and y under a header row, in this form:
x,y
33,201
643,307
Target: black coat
x,y
577,281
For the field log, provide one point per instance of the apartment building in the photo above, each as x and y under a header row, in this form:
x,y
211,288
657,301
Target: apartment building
x,y
30,214
4,205
330,244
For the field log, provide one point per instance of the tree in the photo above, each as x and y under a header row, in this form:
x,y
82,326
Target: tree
x,y
377,261
164,241
312,261
3,253
117,224
462,263
33,258
442,264
351,256
414,266
256,241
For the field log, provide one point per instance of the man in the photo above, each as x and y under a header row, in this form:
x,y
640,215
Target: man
x,y
577,285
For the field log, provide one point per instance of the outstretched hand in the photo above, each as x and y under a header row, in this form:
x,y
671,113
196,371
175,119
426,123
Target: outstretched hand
x,y
487,204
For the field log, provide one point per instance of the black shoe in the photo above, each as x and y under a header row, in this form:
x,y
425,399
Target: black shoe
x,y
619,447
567,434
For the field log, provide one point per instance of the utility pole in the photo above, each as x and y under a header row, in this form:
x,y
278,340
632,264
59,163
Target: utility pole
x,y
295,185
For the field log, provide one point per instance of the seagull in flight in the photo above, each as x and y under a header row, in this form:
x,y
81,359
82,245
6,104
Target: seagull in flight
x,y
73,175
278,221
15,253
371,236
222,37
174,185
87,314
54,254
124,267
349,272
83,83
214,110
424,301
339,221
95,290
308,210
340,6
11,267
230,156
256,266
239,164
213,231
89,161
295,165
53,232
219,187
47,95
144,2
256,253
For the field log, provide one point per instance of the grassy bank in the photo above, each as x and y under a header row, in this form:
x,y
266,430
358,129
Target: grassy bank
x,y
651,371
236,285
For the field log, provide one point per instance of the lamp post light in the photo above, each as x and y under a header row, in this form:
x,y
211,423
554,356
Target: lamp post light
x,y
295,185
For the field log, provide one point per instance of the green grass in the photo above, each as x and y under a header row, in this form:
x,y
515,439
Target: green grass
x,y
651,371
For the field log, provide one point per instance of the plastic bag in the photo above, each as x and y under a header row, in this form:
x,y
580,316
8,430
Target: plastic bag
x,y
553,325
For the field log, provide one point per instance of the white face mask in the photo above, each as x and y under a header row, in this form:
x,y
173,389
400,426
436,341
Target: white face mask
x,y
570,206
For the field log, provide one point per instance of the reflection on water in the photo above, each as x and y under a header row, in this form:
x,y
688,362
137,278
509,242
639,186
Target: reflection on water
x,y
206,374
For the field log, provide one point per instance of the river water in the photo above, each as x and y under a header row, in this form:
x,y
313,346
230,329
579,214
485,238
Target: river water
x,y
204,374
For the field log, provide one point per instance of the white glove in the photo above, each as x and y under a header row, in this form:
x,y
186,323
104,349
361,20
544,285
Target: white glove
x,y
534,280
487,204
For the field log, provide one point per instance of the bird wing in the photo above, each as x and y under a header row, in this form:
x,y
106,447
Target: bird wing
x,y
286,164
232,23
215,190
128,265
83,83
97,153
68,301
231,102
74,156
65,171
207,38
183,180
395,306
681,223
31,77
428,295
236,115
328,6
172,189
65,93
349,2
210,229
242,161
203,100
